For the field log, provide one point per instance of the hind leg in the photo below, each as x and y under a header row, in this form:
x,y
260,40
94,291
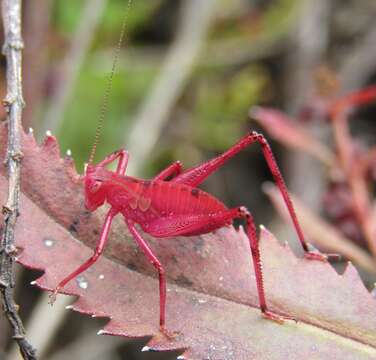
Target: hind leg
x,y
194,225
195,176
257,265
156,263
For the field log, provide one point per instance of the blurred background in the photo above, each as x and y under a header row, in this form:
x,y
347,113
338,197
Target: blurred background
x,y
188,73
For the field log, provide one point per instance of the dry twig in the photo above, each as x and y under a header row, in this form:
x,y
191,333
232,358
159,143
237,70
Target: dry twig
x,y
11,13
43,324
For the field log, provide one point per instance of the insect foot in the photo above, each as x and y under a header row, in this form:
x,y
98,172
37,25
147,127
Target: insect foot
x,y
313,253
170,335
280,319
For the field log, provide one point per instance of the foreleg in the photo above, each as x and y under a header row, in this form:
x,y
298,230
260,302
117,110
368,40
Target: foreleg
x,y
156,263
123,157
98,251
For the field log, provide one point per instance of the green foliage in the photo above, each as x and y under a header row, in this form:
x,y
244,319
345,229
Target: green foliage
x,y
82,114
129,87
273,21
68,14
222,105
279,16
139,14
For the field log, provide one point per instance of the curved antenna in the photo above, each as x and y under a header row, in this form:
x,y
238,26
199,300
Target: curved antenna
x,y
107,92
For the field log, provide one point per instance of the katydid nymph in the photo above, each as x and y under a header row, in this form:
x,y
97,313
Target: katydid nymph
x,y
170,205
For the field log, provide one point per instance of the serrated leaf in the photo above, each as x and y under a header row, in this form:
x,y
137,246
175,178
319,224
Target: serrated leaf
x,y
212,298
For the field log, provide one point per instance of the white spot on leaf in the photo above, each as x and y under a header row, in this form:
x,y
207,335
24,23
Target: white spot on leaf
x,y
82,282
49,242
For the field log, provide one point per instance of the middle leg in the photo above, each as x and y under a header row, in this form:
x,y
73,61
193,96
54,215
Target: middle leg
x,y
123,157
161,272
172,170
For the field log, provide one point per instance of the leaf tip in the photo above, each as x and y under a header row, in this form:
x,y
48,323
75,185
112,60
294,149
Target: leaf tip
x,y
101,332
265,232
50,142
351,273
373,291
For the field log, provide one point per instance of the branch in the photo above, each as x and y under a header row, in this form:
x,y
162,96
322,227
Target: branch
x,y
11,13
43,324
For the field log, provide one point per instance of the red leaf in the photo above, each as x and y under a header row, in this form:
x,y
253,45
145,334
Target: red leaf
x,y
290,133
356,98
212,299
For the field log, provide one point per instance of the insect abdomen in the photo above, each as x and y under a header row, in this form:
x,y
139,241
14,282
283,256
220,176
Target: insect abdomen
x,y
179,199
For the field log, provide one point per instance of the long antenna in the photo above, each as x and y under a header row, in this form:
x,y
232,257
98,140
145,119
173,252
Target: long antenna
x,y
104,107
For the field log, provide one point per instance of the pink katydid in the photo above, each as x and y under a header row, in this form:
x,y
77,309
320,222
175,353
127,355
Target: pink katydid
x,y
171,205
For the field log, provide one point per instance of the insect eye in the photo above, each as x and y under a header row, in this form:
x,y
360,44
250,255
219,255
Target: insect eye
x,y
95,186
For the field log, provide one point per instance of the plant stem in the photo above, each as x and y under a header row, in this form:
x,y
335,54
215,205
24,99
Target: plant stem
x,y
11,13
